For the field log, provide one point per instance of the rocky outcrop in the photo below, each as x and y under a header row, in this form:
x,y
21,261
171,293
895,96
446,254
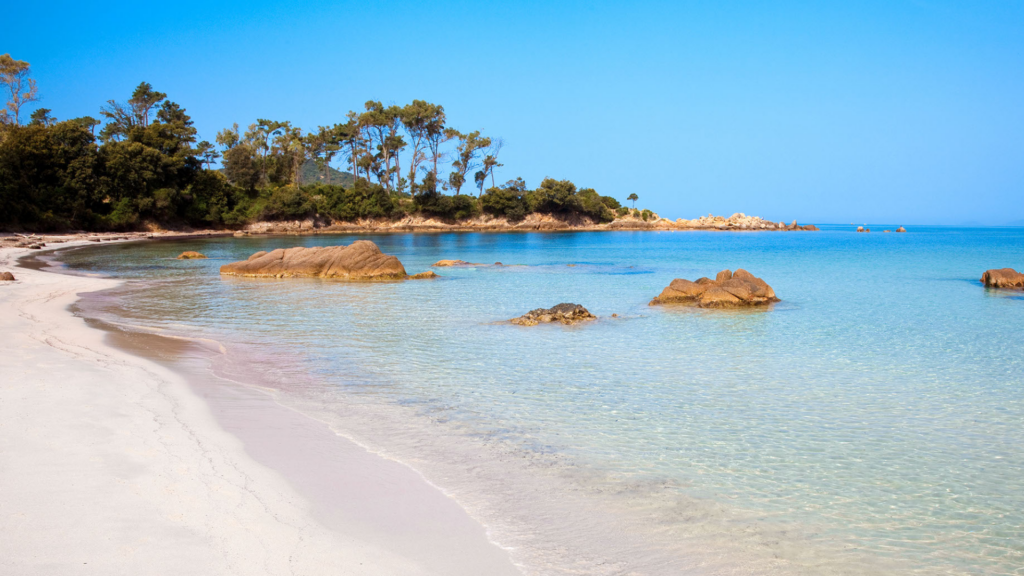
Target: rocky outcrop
x,y
360,260
6,277
424,275
191,255
563,313
447,263
901,229
1003,278
727,290
863,229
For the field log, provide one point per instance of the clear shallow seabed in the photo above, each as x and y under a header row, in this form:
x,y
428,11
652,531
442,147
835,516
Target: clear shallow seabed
x,y
871,421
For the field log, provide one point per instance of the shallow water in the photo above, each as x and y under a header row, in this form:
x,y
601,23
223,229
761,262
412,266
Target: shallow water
x,y
874,415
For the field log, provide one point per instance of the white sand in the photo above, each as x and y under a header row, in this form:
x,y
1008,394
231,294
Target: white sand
x,y
111,464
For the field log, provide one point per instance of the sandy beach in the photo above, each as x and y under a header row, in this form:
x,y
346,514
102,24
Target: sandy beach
x,y
114,464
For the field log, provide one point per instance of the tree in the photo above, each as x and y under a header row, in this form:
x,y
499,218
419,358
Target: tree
x,y
262,134
123,118
465,155
436,134
416,118
229,137
633,198
206,152
381,124
143,100
87,122
21,89
491,160
41,117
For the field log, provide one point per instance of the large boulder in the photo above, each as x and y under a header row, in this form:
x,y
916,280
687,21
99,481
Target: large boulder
x,y
1003,278
563,313
6,277
728,290
360,260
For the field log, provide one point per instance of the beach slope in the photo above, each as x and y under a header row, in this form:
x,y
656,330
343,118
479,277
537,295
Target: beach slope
x,y
110,464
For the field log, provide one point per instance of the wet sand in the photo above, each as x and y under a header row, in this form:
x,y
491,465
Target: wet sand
x,y
112,463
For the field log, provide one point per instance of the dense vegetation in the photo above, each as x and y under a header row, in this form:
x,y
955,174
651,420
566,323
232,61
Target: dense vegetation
x,y
145,166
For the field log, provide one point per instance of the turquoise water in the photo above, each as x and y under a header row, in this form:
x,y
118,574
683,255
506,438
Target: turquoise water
x,y
876,409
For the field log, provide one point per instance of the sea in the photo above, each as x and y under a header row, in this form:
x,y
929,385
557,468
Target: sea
x,y
871,422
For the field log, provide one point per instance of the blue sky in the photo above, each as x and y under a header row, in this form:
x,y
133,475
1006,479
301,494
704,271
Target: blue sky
x,y
886,112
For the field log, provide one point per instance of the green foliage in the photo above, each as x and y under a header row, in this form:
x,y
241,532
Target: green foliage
x,y
610,202
621,211
646,215
508,201
446,207
560,197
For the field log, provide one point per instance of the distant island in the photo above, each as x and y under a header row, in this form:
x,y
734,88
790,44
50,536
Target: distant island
x,y
145,170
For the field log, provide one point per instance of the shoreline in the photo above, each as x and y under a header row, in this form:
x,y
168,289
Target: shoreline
x,y
420,225
136,469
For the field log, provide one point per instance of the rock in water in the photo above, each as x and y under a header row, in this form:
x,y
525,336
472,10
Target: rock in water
x,y
190,255
901,229
563,313
446,263
424,275
728,290
6,277
360,260
1003,278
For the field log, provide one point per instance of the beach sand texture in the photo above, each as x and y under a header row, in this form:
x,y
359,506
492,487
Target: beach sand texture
x,y
111,464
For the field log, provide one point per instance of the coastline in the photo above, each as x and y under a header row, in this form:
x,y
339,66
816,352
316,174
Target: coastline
x,y
118,462
418,224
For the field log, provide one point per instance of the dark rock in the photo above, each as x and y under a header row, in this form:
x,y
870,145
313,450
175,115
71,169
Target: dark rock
x,y
6,277
563,313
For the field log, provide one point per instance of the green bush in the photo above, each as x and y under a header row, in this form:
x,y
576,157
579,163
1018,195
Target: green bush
x,y
646,214
611,202
506,202
621,211
446,207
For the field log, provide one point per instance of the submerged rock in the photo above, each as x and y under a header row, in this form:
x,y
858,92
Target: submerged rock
x,y
6,277
191,255
424,275
1003,278
360,260
446,263
727,290
563,313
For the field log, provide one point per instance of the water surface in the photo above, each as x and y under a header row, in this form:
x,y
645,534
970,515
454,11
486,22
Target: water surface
x,y
874,415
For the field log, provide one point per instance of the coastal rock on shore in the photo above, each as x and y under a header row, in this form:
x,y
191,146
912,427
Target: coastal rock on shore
x,y
727,290
1003,278
191,255
6,277
360,260
563,313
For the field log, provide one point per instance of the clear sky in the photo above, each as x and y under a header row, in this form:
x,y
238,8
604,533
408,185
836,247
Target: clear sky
x,y
897,111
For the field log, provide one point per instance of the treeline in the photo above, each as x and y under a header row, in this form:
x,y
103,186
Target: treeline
x,y
140,163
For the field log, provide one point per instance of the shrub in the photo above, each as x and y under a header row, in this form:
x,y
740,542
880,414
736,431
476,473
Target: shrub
x,y
446,207
506,202
621,211
646,214
611,202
